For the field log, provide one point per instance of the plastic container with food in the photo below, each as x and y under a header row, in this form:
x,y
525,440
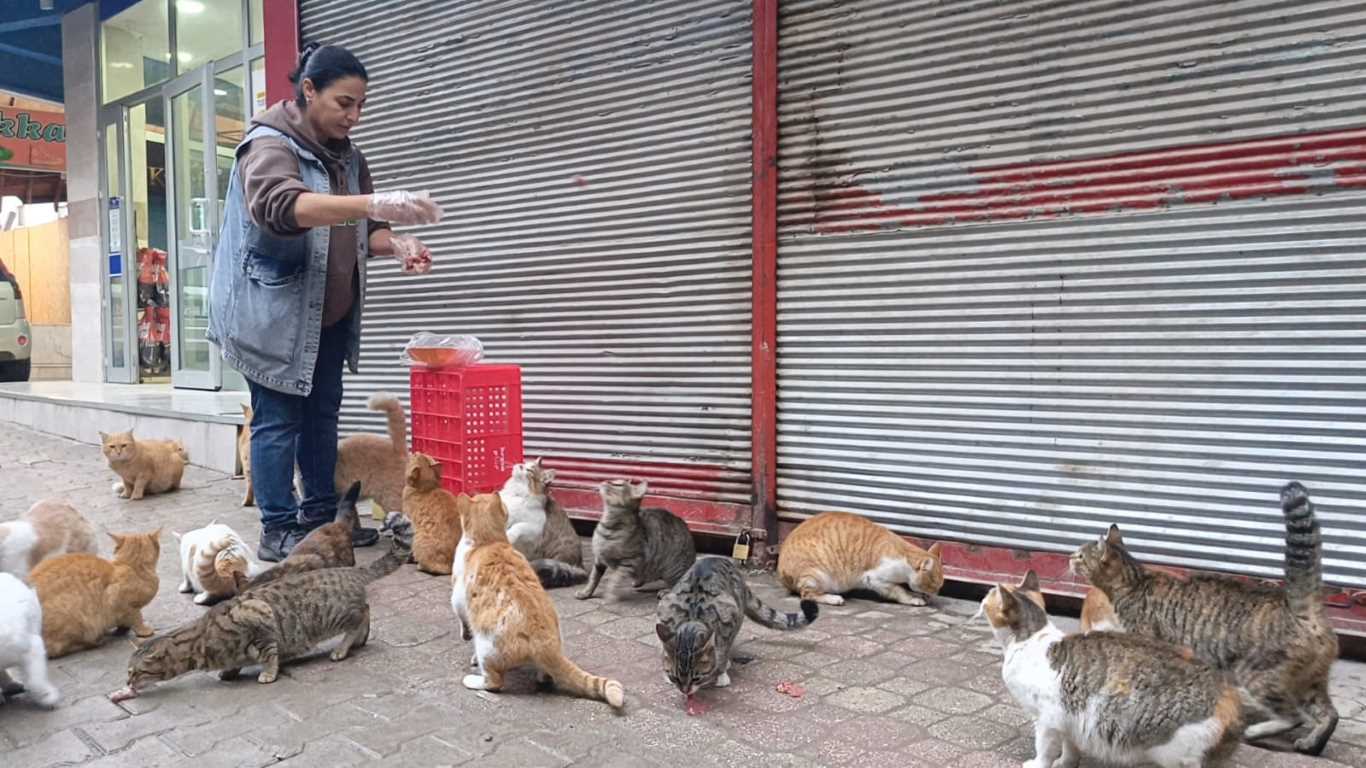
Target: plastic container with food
x,y
430,350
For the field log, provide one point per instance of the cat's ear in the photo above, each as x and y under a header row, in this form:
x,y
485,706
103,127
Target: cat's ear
x,y
1112,537
638,490
1030,583
104,437
935,550
436,471
547,476
118,538
666,636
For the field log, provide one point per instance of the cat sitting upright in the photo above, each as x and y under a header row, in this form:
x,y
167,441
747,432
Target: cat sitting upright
x,y
85,596
21,643
836,552
653,546
47,529
539,528
1109,696
144,466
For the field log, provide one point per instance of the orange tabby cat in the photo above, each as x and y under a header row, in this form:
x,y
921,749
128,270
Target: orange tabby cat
x,y
435,514
244,455
837,552
146,466
502,606
84,596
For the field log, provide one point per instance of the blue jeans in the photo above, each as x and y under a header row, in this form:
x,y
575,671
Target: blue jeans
x,y
288,428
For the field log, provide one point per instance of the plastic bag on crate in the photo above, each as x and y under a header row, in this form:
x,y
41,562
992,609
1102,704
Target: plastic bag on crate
x,y
431,350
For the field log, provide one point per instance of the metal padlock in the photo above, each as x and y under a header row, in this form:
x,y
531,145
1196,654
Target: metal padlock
x,y
741,549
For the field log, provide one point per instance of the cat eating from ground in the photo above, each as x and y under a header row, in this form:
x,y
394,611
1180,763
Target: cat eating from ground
x,y
47,529
1123,699
271,624
214,563
144,466
836,552
1275,641
21,643
652,546
503,608
539,528
85,596
699,620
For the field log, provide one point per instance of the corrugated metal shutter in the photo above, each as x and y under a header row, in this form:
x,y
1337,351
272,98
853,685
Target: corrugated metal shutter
x,y
593,161
1048,265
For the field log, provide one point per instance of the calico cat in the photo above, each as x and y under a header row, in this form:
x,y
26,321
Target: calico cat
x,y
327,546
144,466
244,455
214,563
654,546
699,619
21,643
271,624
539,528
84,596
836,552
1119,698
377,462
502,606
1275,641
47,529
435,513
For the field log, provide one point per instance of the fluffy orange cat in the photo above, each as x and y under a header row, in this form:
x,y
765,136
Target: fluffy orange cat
x,y
502,606
435,514
837,552
145,466
84,596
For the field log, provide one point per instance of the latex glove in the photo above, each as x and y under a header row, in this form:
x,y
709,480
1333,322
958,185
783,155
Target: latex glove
x,y
403,207
411,253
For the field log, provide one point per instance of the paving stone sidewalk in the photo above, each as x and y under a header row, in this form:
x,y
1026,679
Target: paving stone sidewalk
x,y
885,685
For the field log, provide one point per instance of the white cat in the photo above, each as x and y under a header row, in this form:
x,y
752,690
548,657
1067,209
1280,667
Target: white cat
x,y
214,562
47,529
524,498
21,642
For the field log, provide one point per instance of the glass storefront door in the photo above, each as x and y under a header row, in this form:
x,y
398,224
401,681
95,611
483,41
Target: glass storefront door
x,y
120,350
193,170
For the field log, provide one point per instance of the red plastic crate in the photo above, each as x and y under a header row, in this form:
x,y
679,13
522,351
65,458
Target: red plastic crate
x,y
470,420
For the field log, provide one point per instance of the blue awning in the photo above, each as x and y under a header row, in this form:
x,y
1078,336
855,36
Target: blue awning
x,y
31,44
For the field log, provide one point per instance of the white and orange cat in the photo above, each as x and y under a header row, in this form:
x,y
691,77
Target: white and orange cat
x,y
144,466
47,529
502,606
215,563
836,552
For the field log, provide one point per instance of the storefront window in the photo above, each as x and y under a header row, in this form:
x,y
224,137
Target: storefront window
x,y
258,86
206,30
258,22
135,49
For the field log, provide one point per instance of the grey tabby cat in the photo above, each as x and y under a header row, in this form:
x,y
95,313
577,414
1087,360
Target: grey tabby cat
x,y
560,557
700,618
653,545
274,622
1118,698
1275,641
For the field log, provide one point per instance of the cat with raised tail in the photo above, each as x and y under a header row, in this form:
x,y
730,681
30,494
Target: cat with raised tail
x,y
539,528
700,618
1274,640
1108,696
503,608
271,624
215,563
652,546
47,529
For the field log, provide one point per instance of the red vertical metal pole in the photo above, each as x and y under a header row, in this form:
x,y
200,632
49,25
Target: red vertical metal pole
x,y
280,19
764,322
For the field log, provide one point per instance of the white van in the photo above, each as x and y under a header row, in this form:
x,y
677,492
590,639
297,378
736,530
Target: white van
x,y
16,338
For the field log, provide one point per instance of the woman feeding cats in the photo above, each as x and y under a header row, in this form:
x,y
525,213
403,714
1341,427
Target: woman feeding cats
x,y
288,286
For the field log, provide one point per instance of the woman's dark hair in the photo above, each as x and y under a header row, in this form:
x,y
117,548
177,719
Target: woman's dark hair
x,y
324,64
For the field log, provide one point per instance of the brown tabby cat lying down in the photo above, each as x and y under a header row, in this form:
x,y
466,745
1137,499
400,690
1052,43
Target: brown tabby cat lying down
x,y
144,466
836,552
84,596
1275,641
276,622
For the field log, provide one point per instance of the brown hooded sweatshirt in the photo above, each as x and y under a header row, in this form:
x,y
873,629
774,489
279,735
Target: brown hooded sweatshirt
x,y
271,183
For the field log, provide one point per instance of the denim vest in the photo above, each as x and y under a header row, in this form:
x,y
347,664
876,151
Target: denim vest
x,y
266,294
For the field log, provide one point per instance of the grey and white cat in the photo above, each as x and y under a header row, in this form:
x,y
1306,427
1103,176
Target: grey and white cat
x,y
653,545
1113,697
700,618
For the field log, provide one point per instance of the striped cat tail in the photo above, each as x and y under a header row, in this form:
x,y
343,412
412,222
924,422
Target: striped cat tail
x,y
571,679
1303,551
757,611
555,573
402,547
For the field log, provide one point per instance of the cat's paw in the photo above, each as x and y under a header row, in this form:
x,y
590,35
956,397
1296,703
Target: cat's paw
x,y
1035,763
202,598
583,594
918,601
337,654
473,682
119,490
47,698
830,599
186,588
723,681
266,677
